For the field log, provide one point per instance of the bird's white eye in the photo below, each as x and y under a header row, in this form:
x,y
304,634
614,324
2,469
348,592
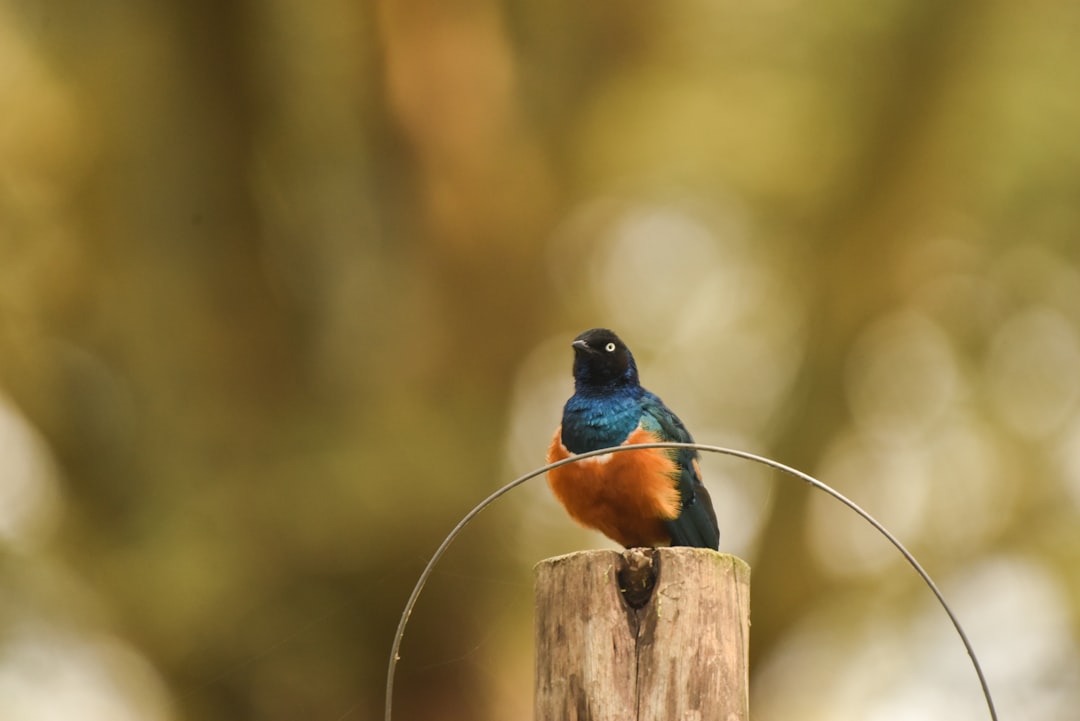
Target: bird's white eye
x,y
610,347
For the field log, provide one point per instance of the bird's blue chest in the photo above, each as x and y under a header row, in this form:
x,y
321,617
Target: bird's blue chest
x,y
590,423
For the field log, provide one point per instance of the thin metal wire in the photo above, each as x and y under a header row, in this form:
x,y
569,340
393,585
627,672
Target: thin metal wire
x,y
441,550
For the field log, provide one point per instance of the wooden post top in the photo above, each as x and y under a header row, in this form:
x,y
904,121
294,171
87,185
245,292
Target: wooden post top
x,y
646,634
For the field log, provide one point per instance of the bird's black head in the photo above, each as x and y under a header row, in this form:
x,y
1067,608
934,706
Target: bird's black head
x,y
602,361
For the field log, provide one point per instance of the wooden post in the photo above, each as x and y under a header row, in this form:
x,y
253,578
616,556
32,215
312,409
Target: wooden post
x,y
642,635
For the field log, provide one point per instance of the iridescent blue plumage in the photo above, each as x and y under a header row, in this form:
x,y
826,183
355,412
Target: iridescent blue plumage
x,y
591,422
609,404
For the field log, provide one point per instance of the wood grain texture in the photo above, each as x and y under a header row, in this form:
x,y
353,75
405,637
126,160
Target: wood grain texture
x,y
680,655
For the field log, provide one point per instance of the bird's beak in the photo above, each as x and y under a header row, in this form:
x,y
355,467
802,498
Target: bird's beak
x,y
580,345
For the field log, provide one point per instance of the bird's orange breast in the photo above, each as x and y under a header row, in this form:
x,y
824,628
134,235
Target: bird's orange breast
x,y
627,496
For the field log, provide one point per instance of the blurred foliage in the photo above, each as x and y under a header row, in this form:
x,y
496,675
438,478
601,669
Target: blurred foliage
x,y
285,289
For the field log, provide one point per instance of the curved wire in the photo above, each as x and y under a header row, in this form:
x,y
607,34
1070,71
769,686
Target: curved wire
x,y
441,550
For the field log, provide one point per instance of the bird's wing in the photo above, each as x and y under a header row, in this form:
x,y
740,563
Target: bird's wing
x,y
696,523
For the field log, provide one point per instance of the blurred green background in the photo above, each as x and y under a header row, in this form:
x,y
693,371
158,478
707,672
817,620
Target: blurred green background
x,y
286,288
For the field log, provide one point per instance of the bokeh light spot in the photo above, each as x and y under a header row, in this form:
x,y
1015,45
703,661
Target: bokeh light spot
x,y
28,497
1033,372
901,376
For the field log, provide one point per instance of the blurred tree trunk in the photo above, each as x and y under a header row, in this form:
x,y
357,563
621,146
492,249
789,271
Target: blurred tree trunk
x,y
858,242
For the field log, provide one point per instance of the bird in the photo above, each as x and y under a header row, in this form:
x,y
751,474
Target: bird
x,y
638,498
